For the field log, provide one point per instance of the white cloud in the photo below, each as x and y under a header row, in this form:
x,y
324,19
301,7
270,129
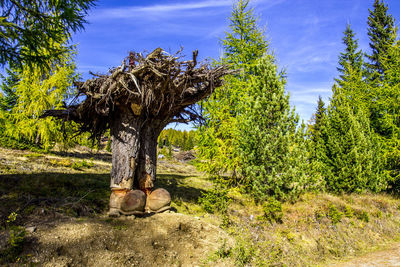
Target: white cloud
x,y
157,10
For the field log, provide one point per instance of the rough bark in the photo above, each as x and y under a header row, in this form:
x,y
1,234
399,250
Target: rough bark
x,y
134,150
146,174
125,148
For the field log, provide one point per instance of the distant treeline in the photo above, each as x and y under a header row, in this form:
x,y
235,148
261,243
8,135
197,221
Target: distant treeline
x,y
185,140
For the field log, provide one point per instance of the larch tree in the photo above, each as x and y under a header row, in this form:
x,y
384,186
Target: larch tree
x,y
29,28
30,92
243,45
136,101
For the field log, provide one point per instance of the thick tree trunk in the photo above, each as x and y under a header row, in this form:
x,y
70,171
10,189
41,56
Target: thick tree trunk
x,y
134,151
147,164
125,149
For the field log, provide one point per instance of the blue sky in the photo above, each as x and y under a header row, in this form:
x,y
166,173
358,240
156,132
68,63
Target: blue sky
x,y
305,35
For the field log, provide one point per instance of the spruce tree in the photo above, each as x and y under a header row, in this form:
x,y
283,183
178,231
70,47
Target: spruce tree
x,y
352,153
217,142
380,31
319,120
350,58
272,150
388,121
317,138
9,99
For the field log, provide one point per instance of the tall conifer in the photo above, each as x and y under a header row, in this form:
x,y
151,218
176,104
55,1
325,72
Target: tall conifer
x,y
350,58
388,119
317,138
352,162
351,153
380,31
272,150
218,136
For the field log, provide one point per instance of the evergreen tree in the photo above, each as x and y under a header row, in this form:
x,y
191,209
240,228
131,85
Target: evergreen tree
x,y
9,99
29,29
319,121
350,58
217,142
349,155
380,31
317,138
272,151
388,119
352,162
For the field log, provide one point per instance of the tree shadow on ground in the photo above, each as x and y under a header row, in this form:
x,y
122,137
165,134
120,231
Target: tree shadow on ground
x,y
46,195
106,157
40,195
178,187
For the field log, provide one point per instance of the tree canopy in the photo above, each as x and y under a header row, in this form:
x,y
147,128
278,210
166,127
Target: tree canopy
x,y
31,29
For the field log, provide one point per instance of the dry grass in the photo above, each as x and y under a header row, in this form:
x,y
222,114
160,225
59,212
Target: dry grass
x,y
316,230
44,189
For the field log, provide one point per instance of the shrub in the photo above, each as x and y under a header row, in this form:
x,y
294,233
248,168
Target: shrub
x,y
362,216
15,243
348,212
273,210
334,214
77,165
215,200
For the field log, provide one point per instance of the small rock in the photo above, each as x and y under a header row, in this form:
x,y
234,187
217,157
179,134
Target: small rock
x,y
30,229
251,217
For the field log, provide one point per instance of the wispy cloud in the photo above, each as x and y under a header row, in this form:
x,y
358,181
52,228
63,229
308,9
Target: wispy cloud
x,y
311,57
161,9
176,9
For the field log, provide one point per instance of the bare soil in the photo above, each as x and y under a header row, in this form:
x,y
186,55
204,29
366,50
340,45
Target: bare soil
x,y
167,239
388,257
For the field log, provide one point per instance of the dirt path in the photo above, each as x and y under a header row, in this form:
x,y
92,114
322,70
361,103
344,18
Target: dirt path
x,y
388,257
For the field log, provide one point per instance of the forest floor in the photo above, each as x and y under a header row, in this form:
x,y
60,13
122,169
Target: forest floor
x,y
53,213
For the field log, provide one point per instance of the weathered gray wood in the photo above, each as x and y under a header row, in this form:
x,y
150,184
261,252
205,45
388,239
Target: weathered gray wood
x,y
125,148
148,156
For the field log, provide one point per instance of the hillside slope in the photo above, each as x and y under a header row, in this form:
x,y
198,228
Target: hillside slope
x,y
53,212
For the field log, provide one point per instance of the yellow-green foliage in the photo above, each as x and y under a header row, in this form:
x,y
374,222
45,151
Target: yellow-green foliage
x,y
37,92
15,241
272,210
183,139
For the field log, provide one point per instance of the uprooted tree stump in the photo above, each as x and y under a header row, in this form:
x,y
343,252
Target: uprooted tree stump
x,y
136,101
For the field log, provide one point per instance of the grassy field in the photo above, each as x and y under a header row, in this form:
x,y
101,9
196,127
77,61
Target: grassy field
x,y
66,195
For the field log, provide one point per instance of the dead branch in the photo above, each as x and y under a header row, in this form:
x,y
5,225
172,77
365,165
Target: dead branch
x,y
154,86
